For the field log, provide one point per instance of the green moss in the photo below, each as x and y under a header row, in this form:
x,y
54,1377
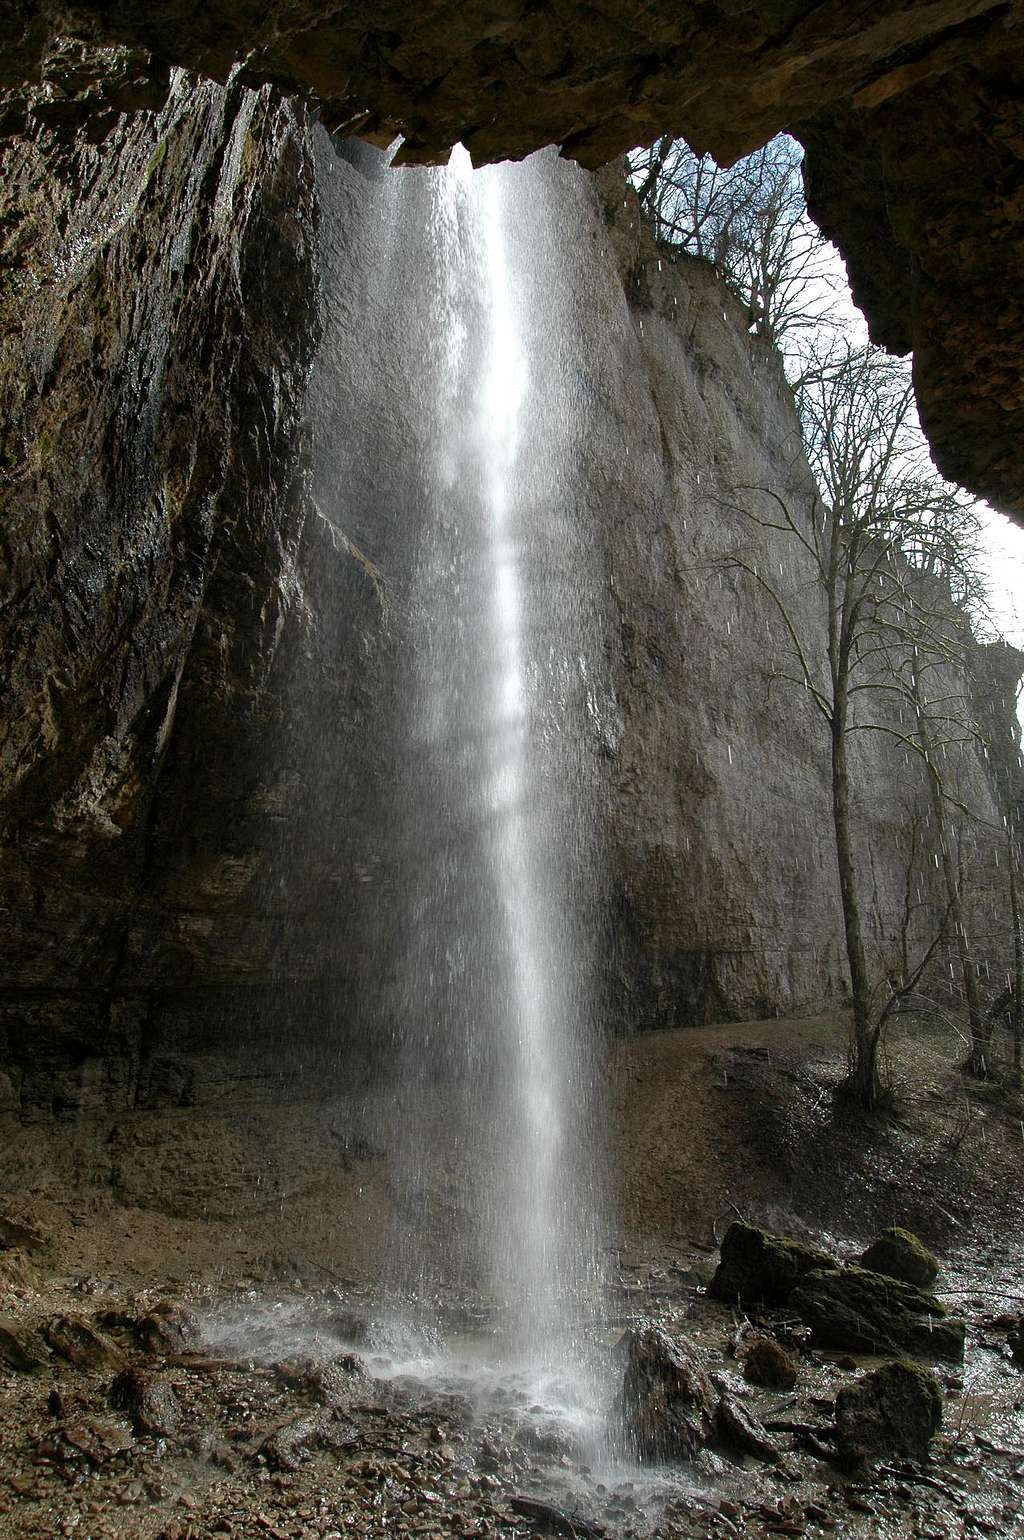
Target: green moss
x,y
156,160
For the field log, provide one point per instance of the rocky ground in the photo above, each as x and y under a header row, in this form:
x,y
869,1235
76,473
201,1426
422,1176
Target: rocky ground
x,y
172,1376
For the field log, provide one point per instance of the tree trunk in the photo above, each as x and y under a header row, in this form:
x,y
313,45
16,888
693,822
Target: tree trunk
x,y
1017,1003
864,1081
979,1026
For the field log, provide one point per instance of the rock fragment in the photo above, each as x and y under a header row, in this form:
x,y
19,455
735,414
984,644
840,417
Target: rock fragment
x,y
740,1428
19,1348
149,1402
81,1344
168,1328
767,1363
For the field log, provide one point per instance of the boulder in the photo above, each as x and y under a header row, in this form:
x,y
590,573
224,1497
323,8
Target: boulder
x,y
864,1312
899,1254
767,1363
740,1428
149,1401
667,1405
893,1412
20,1348
168,1328
756,1265
81,1344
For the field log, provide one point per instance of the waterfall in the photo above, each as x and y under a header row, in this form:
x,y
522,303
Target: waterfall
x,y
488,1124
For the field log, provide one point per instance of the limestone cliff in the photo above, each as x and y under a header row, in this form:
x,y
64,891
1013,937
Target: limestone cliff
x,y
209,555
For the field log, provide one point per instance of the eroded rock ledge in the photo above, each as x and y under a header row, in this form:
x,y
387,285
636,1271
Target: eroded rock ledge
x,y
911,113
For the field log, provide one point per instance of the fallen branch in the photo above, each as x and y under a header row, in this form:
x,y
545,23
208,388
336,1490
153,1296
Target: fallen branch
x,y
547,1513
906,1473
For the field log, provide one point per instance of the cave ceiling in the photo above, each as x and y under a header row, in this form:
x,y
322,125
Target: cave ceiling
x,y
912,115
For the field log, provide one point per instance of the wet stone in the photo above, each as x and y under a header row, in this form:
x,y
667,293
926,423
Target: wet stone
x,y
899,1254
758,1266
739,1428
81,1344
667,1403
864,1312
767,1363
149,1401
168,1328
894,1411
20,1349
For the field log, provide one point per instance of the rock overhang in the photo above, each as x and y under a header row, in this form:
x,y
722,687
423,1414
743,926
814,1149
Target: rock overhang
x,y
912,115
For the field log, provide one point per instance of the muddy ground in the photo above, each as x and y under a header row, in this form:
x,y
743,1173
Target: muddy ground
x,y
288,1416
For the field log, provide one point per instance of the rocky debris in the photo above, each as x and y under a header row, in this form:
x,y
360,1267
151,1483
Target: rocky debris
x,y
335,1383
899,1254
667,1405
894,1411
766,1362
149,1401
92,1441
557,1519
287,1447
739,1427
864,1312
758,1266
167,1328
81,1344
20,1348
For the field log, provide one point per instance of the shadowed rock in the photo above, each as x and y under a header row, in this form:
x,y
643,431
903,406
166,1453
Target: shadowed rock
x,y
19,1348
667,1405
762,1267
81,1344
149,1401
745,1432
894,1411
899,1254
866,1312
767,1363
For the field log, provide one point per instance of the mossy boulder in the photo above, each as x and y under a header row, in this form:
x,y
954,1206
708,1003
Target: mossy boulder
x,y
899,1254
863,1312
893,1412
764,1268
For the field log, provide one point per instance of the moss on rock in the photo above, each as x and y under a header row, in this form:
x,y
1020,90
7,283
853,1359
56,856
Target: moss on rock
x,y
900,1254
756,1265
895,1411
865,1312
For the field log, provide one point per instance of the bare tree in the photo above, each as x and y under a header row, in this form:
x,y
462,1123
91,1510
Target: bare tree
x,y
883,547
750,221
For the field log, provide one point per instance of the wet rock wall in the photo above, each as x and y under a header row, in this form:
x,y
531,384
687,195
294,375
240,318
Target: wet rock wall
x,y
202,876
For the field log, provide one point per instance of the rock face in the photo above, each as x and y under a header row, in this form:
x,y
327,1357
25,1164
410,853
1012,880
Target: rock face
x,y
910,113
209,553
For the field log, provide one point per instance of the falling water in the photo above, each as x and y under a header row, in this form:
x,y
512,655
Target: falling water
x,y
489,1124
